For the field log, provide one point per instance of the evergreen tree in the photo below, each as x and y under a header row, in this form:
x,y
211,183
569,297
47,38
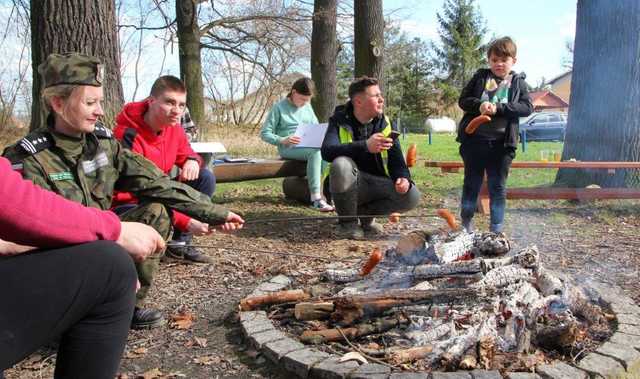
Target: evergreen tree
x,y
461,51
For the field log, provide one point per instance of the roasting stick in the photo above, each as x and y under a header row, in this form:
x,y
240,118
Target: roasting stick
x,y
301,255
393,217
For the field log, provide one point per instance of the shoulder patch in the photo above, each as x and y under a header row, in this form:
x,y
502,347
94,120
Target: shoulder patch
x,y
101,131
35,142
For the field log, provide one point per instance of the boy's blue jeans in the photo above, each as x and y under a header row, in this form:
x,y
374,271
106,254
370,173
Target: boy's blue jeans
x,y
494,158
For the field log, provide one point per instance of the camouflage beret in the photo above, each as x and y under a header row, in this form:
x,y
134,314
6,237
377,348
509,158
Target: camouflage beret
x,y
71,68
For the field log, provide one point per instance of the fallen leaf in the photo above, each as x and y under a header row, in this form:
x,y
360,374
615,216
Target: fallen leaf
x,y
202,342
151,374
182,320
353,356
207,360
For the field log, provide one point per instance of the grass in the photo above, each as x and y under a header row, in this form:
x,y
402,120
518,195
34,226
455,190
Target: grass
x,y
430,180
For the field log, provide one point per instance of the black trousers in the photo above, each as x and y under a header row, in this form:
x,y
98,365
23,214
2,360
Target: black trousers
x,y
84,295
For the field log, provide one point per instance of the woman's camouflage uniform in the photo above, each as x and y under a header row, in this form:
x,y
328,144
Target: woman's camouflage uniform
x,y
89,168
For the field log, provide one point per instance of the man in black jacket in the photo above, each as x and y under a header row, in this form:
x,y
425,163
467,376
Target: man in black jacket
x,y
368,174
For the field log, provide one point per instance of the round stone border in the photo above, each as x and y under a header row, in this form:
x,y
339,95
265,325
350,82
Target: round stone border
x,y
617,358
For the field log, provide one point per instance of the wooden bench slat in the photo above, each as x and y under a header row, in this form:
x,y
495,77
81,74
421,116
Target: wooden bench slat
x,y
572,193
532,164
237,172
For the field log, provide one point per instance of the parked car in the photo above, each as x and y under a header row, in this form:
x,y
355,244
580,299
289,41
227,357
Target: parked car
x,y
544,126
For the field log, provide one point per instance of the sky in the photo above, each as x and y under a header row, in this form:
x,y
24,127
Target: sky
x,y
540,28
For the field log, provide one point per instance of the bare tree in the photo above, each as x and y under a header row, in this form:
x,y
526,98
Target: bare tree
x,y
14,42
190,58
368,40
324,49
606,37
81,26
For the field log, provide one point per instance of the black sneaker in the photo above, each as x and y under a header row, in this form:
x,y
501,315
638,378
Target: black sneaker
x,y
146,318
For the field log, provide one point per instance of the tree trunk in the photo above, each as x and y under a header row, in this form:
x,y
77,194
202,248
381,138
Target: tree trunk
x,y
87,27
368,40
604,117
323,57
189,54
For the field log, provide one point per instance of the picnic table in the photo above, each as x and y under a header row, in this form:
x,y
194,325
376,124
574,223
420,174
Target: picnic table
x,y
555,193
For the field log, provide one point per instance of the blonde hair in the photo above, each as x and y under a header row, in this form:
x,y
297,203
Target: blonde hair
x,y
63,91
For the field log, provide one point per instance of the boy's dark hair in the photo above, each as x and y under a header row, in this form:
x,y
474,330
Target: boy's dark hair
x,y
360,85
167,83
503,47
304,86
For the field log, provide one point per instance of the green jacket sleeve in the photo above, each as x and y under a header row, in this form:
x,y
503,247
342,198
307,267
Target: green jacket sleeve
x,y
269,130
142,178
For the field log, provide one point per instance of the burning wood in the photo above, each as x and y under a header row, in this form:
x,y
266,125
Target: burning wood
x,y
447,300
313,311
351,308
330,335
453,268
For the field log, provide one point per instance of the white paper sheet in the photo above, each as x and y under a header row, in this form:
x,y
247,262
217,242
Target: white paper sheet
x,y
311,135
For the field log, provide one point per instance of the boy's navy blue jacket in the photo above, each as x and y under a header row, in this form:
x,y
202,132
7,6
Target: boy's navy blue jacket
x,y
519,105
357,150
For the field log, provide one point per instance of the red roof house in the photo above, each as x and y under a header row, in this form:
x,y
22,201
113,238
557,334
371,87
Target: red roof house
x,y
547,100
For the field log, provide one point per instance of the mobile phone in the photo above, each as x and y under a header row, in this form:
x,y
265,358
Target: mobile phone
x,y
394,135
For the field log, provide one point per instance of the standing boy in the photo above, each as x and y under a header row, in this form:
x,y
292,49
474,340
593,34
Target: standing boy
x,y
501,94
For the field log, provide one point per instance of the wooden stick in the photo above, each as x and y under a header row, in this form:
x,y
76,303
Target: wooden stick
x,y
351,308
253,302
410,355
332,335
313,311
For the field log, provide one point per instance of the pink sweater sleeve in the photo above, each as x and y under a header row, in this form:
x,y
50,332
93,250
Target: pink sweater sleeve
x,y
30,215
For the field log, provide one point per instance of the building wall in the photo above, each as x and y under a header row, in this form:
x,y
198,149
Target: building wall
x,y
562,88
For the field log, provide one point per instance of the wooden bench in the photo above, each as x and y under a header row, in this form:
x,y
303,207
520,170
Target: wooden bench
x,y
555,193
258,169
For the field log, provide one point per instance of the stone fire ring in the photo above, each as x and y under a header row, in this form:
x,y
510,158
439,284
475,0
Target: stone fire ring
x,y
617,358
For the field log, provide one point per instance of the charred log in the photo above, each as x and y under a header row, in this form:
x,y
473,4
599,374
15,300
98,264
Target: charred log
x,y
332,335
313,311
351,308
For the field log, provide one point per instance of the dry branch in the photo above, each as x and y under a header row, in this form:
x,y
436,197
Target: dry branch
x,y
253,302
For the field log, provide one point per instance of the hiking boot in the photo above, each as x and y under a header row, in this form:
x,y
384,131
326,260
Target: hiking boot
x,y
321,206
351,230
196,256
182,250
371,227
146,318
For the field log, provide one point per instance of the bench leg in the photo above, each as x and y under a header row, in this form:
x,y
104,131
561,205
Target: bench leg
x,y
483,197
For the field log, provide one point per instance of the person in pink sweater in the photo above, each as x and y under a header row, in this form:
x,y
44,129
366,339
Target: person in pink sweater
x,y
152,128
66,272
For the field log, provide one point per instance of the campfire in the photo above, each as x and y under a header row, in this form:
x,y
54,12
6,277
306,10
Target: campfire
x,y
443,300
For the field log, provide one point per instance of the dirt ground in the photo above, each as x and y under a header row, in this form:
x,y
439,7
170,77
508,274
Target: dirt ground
x,y
592,241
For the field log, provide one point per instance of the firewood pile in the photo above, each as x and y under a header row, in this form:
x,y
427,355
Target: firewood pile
x,y
443,301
